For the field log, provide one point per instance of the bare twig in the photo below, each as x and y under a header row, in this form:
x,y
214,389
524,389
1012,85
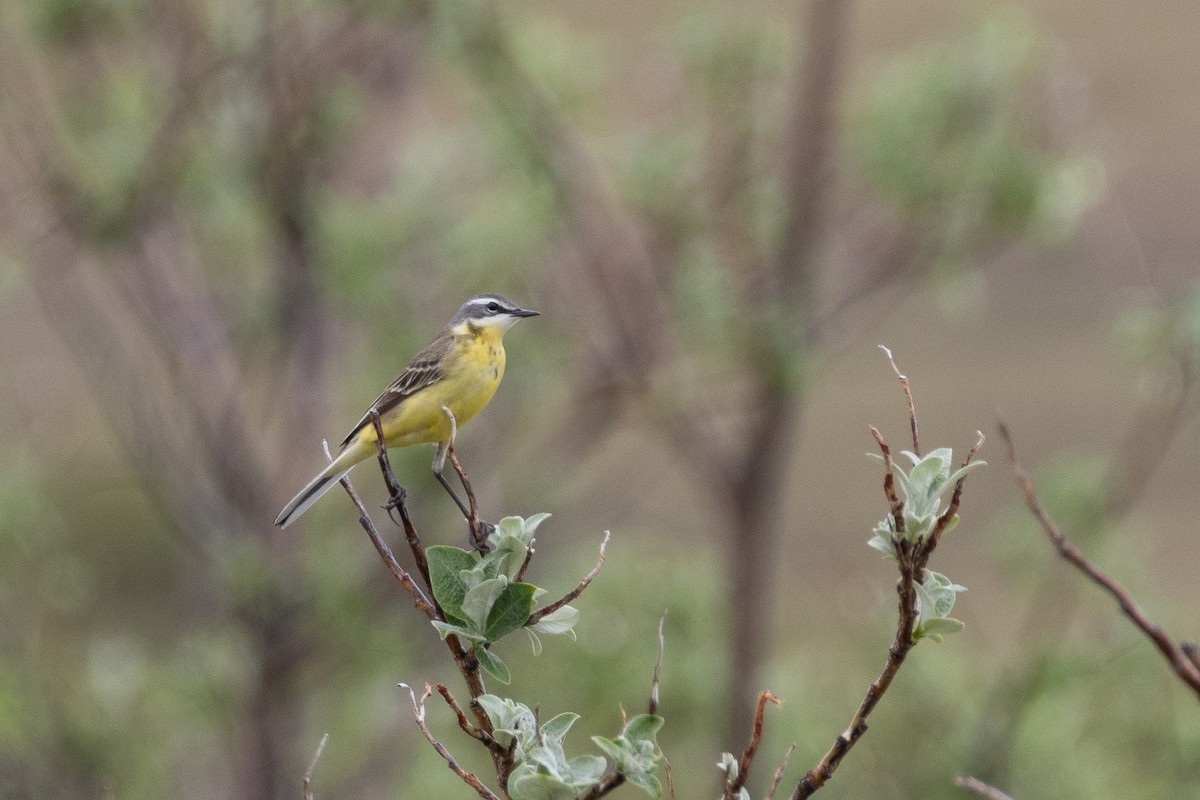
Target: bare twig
x,y
662,643
912,409
537,616
312,765
778,776
423,603
467,777
1175,654
670,778
733,787
477,536
889,481
980,788
474,731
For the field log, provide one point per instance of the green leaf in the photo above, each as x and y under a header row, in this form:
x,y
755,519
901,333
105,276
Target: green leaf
x,y
531,523
883,543
444,629
478,601
587,770
556,728
611,748
559,621
643,727
532,785
510,611
935,629
731,766
445,564
510,719
646,782
492,665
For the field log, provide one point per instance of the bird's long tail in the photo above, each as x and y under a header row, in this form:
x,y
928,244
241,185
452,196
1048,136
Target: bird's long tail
x,y
319,485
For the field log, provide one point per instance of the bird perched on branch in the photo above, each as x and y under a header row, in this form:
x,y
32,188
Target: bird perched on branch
x,y
441,389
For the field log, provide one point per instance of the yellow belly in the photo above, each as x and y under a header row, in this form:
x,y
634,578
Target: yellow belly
x,y
471,375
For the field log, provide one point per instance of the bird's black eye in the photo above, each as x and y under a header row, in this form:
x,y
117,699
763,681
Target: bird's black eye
x,y
493,306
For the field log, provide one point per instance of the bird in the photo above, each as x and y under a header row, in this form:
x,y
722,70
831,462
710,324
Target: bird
x,y
441,389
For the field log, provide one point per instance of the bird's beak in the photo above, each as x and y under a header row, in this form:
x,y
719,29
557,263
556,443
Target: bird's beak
x,y
526,312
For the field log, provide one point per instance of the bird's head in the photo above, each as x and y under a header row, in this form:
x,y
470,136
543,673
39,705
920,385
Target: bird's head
x,y
493,311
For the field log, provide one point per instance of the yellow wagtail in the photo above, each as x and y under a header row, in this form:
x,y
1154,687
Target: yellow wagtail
x,y
442,388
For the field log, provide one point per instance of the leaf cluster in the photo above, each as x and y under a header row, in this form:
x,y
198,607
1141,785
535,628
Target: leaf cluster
x,y
482,598
543,770
923,487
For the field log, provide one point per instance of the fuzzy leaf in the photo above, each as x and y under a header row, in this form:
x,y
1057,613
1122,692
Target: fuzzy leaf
x,y
554,729
510,611
556,622
479,600
445,564
492,665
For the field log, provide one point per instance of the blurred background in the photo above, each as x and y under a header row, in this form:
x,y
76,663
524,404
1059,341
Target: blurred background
x,y
224,227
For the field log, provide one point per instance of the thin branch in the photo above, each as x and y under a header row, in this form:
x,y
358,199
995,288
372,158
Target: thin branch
x,y
467,777
733,787
911,558
889,481
473,731
478,537
396,500
1175,654
312,765
912,409
770,795
423,603
980,788
537,616
670,778
662,643
610,780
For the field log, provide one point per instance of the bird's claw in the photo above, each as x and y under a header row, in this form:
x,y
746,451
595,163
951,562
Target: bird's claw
x,y
395,502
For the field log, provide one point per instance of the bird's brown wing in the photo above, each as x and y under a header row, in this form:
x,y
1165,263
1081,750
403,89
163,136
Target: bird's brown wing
x,y
424,370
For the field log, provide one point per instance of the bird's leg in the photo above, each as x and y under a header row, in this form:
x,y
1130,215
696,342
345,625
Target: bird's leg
x,y
439,461
396,492
477,530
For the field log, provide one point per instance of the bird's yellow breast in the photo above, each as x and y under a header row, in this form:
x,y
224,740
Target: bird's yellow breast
x,y
471,372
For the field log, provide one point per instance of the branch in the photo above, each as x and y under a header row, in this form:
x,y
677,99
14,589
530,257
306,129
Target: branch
x,y
652,707
478,537
473,731
536,616
787,756
423,603
980,788
912,409
396,498
312,765
1175,653
610,780
467,777
732,788
911,558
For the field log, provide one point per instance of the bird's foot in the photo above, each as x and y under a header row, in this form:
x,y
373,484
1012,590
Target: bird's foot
x,y
395,502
